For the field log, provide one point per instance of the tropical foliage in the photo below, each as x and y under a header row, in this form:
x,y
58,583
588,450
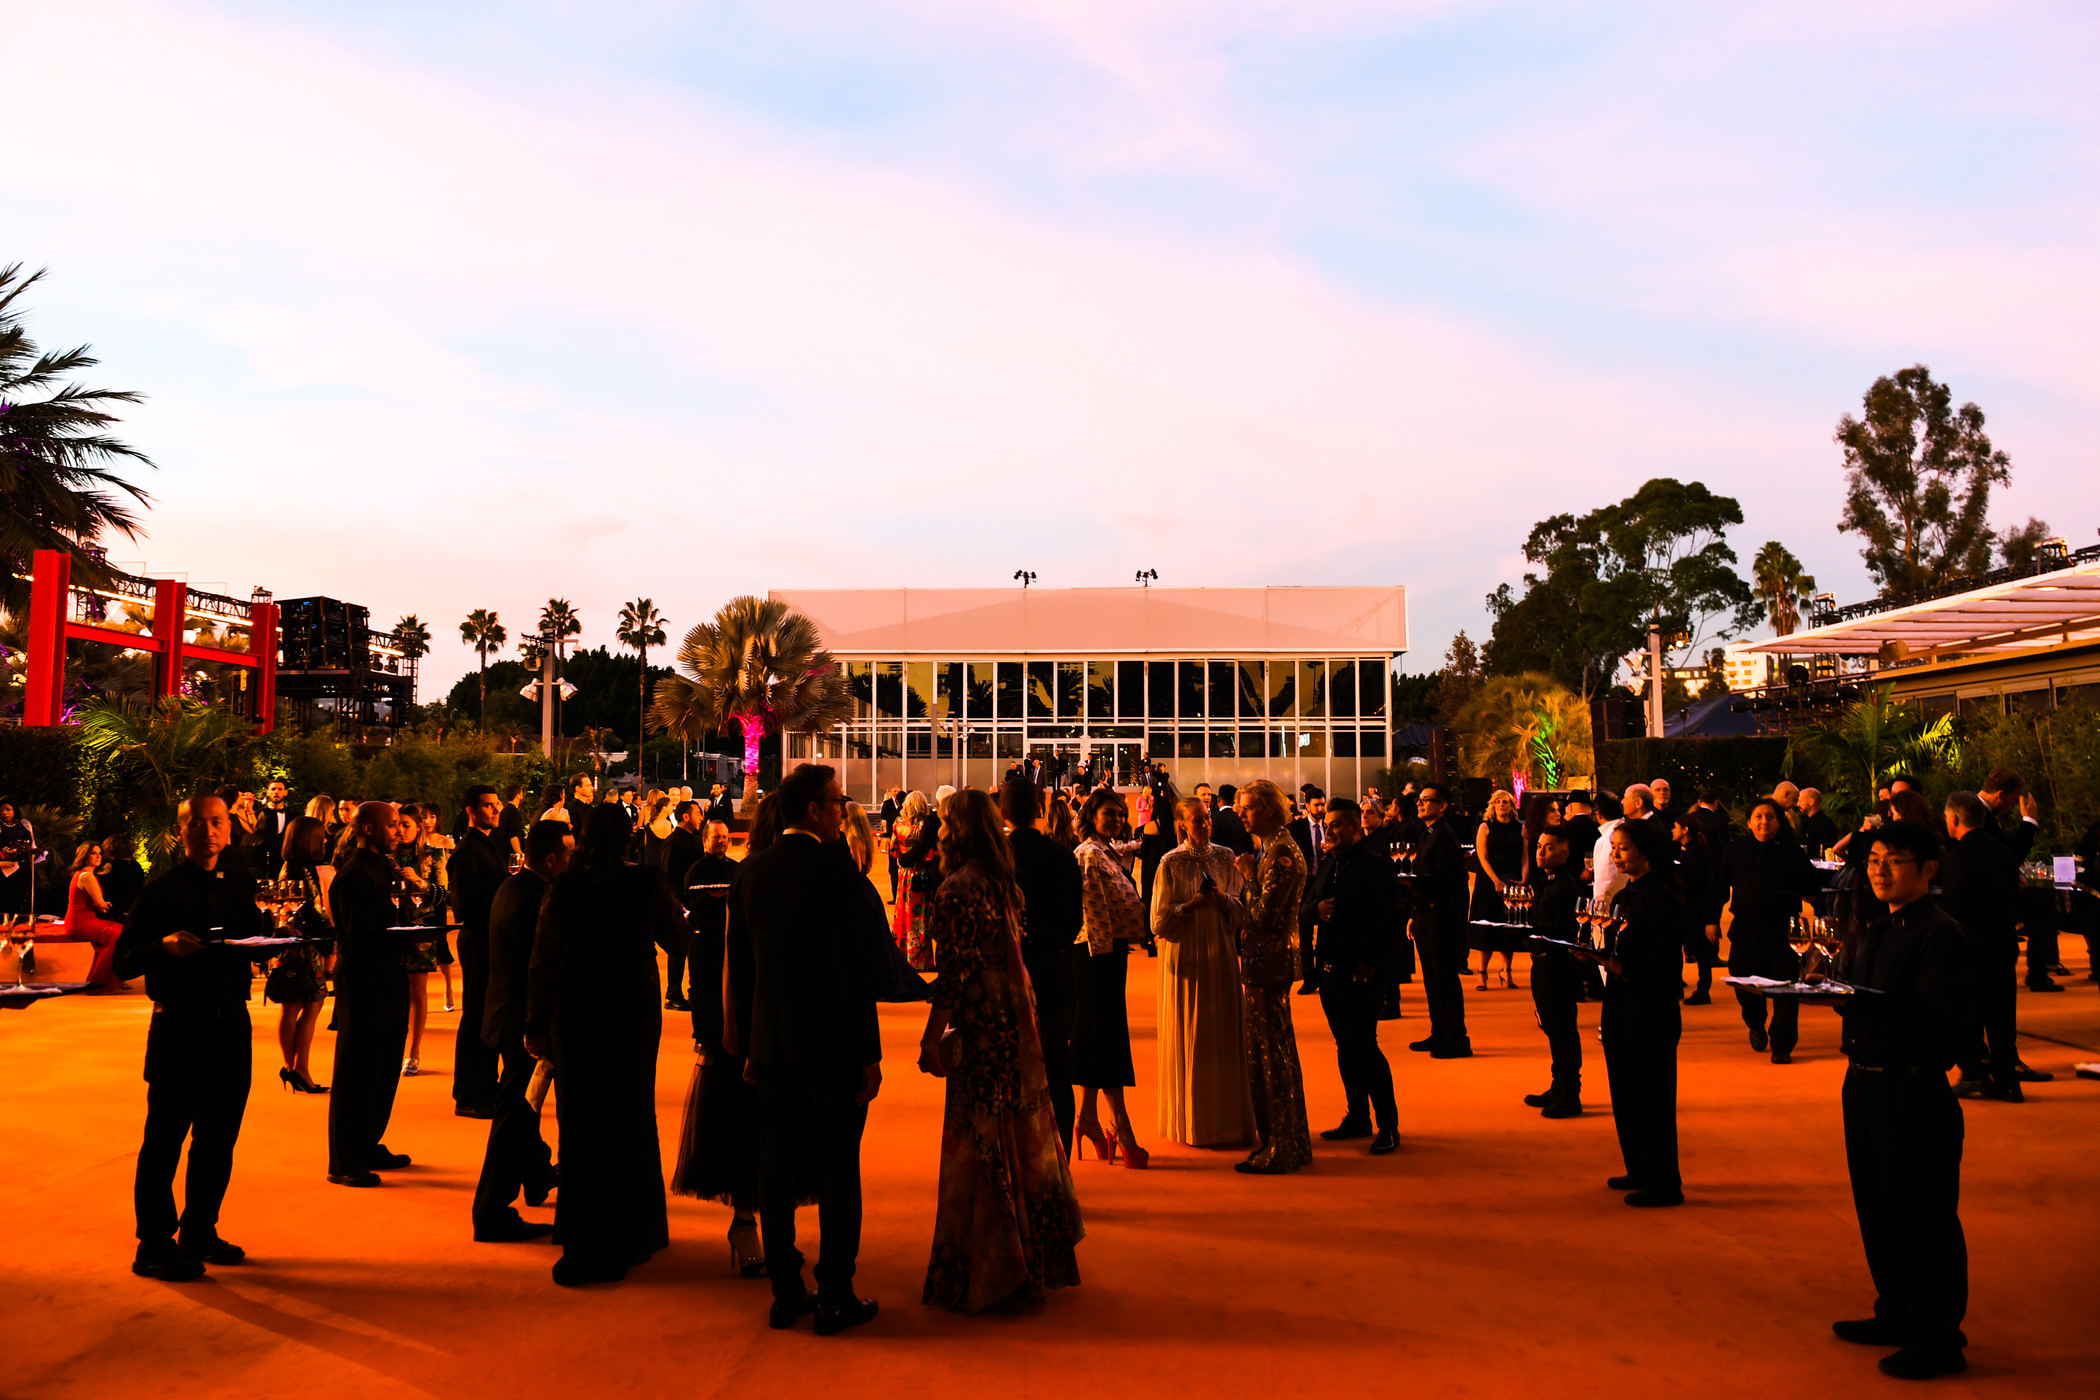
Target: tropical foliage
x,y
1872,739
483,632
161,751
1527,724
641,627
758,665
1783,585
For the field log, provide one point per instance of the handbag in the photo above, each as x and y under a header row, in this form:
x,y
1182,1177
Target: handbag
x,y
948,1052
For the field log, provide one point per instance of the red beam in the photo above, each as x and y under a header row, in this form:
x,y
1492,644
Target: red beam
x,y
262,640
169,615
192,652
50,592
89,632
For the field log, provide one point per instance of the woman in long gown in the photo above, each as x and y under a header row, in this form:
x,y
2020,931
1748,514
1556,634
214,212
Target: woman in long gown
x,y
1008,1218
1505,862
595,1004
85,915
1275,881
912,846
1196,913
1111,919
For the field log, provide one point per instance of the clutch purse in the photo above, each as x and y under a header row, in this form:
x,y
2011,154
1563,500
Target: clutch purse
x,y
949,1051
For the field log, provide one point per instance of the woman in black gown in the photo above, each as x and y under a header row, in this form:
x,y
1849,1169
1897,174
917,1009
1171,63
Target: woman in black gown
x,y
595,1004
1641,1020
1765,881
1498,844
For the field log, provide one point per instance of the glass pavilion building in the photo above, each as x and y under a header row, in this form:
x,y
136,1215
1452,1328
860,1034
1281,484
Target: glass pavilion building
x,y
1220,684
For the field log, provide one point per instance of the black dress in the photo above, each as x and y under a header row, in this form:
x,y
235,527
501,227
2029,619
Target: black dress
x,y
1764,884
595,994
1506,867
1641,1026
718,1148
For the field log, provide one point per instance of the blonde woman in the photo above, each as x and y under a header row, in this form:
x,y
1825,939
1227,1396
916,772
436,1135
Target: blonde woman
x,y
1498,844
86,912
917,830
1196,915
1274,876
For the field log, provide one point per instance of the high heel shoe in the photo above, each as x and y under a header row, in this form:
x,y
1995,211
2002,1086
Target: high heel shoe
x,y
1134,1156
291,1081
746,1255
1104,1147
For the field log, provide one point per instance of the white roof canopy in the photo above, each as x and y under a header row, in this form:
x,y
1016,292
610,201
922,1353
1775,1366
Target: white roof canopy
x,y
2028,614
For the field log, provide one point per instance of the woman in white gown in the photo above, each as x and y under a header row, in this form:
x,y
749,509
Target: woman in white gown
x,y
1196,915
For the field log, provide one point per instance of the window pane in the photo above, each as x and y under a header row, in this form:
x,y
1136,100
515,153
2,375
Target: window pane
x,y
1372,686
1191,745
981,673
860,679
1312,689
1252,702
978,745
918,690
948,684
1253,742
1345,743
1159,693
1009,744
1341,690
888,742
1041,675
1312,743
1130,690
1159,744
918,743
1283,690
889,689
1221,743
1100,690
1071,688
1009,690
1222,699
1371,743
1191,689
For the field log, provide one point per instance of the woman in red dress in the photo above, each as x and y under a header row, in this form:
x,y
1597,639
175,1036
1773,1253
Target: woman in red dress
x,y
85,908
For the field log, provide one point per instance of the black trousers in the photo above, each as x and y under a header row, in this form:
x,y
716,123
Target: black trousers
x,y
1352,1014
1056,996
197,1071
2038,918
1993,1052
1640,1063
517,1156
1556,988
1764,952
1441,942
1903,1139
1785,1027
371,1011
473,1063
810,1126
675,945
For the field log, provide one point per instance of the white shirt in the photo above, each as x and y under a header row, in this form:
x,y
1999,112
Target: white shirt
x,y
1609,879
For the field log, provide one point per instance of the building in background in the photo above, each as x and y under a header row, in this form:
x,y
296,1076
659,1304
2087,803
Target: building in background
x,y
339,673
1220,684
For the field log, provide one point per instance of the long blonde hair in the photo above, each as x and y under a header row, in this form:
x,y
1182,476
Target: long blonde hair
x,y
971,831
860,836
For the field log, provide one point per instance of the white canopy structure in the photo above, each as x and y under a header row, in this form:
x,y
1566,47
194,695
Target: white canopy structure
x,y
2022,616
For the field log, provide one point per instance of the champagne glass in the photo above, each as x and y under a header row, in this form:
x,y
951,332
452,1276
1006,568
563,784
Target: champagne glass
x,y
25,947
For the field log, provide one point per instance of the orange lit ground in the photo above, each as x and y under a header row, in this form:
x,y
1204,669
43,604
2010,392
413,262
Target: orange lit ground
x,y
1485,1258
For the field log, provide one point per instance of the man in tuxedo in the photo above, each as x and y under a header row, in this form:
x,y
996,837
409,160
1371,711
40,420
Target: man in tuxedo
x,y
1981,885
1226,828
1310,832
198,1061
718,805
816,1047
1049,879
1439,926
1355,909
517,1158
1579,823
2015,821
480,864
1556,978
272,817
371,1004
680,850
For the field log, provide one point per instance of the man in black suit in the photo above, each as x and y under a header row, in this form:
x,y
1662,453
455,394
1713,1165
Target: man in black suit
x,y
1712,823
1981,887
1660,798
1579,823
1439,926
517,1158
1226,828
578,803
718,805
371,1004
1818,832
198,1061
680,850
2015,821
816,1047
1355,909
480,864
1903,1125
271,819
1049,880
1310,832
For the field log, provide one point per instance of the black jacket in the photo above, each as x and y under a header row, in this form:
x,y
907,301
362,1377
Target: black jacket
x,y
1440,872
680,850
1048,875
361,903
479,866
1919,958
2015,831
1981,884
1651,945
798,902
191,899
1713,825
514,916
1361,930
1227,830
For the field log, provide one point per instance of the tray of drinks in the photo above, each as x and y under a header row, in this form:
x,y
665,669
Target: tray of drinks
x,y
290,940
16,995
1828,989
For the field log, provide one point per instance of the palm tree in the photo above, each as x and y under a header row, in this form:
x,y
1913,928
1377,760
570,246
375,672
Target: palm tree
x,y
485,634
164,749
1784,585
558,623
58,492
1529,724
759,665
1873,738
641,627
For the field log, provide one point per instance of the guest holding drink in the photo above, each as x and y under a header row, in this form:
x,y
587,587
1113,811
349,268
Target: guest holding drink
x,y
299,981
1111,919
1642,1022
1765,882
1196,915
1273,878
1499,846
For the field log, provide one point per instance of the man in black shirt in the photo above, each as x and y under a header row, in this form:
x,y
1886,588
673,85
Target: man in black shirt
x,y
578,803
480,863
1818,832
197,1047
1712,823
517,1157
1981,885
1439,926
371,1004
2015,821
1355,909
1580,825
1556,977
1903,1125
1310,832
1049,880
1226,828
680,850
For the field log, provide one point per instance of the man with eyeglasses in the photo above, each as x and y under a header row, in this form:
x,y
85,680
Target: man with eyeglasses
x,y
1903,1124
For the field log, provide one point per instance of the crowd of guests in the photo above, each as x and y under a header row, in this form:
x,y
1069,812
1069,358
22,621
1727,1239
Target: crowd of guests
x,y
1024,906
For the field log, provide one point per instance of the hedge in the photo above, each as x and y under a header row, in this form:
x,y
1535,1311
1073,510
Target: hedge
x,y
1739,769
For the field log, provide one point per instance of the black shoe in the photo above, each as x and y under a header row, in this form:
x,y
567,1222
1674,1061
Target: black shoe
x,y
1252,1168
472,1110
1349,1129
2045,985
1922,1364
166,1263
1758,1040
536,1192
1453,1050
677,1004
1869,1332
834,1318
1387,1141
1310,987
1967,1088
1622,1183
354,1179
1568,1105
1655,1198
572,1273
2027,1075
516,1230
1699,999
1428,1042
385,1161
213,1251
2005,1093
1542,1100
1782,1057
785,1312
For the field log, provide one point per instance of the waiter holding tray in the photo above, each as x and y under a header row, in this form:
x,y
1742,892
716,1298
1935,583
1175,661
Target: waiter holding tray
x,y
371,1004
197,1046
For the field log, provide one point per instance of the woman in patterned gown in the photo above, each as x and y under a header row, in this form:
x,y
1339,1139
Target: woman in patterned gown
x,y
1008,1218
1196,914
912,902
1275,877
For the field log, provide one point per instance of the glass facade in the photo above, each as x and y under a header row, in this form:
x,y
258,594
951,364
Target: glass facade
x,y
1295,719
